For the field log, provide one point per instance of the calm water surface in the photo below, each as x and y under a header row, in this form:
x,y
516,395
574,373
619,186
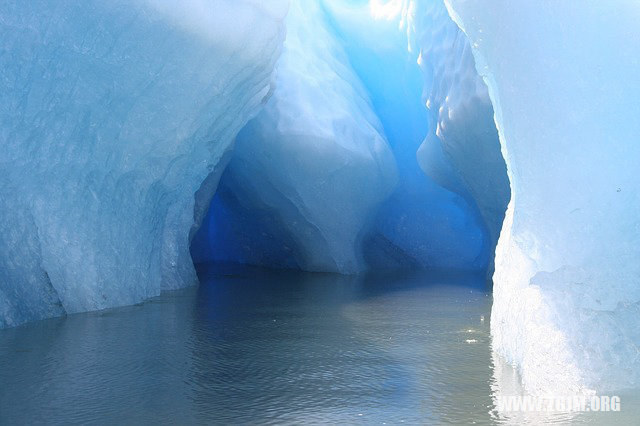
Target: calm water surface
x,y
250,346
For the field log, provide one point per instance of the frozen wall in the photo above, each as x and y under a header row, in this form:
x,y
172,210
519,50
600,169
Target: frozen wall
x,y
307,174
112,114
312,181
563,78
461,151
347,80
411,56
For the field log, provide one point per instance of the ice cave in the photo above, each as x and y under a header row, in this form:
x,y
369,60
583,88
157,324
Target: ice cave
x,y
345,139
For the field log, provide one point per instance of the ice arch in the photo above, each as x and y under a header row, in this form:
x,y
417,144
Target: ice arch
x,y
347,109
119,119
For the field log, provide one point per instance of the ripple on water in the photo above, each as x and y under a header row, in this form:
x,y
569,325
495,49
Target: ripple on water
x,y
272,348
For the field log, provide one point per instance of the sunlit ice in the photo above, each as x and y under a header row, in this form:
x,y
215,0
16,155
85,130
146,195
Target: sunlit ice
x,y
292,204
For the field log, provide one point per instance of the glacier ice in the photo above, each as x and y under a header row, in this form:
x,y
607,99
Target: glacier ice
x,y
422,224
563,80
118,120
311,182
461,151
308,172
112,115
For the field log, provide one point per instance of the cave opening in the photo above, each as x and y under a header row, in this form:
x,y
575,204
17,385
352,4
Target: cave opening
x,y
377,151
333,170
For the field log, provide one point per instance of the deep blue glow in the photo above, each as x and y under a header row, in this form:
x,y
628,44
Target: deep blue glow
x,y
418,225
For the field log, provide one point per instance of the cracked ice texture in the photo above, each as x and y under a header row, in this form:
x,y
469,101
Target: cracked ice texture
x,y
112,114
563,78
309,171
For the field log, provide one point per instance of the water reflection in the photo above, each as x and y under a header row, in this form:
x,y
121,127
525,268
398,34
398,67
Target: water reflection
x,y
506,383
251,346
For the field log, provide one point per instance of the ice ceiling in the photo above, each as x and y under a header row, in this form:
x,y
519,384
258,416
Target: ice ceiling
x,y
332,136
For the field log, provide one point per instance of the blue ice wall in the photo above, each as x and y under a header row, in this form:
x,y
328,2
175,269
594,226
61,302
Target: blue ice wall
x,y
461,151
118,118
271,212
308,173
421,224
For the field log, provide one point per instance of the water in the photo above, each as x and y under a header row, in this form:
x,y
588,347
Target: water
x,y
250,346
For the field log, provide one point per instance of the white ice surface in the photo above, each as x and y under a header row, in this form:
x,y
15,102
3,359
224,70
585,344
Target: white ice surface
x,y
112,114
564,80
